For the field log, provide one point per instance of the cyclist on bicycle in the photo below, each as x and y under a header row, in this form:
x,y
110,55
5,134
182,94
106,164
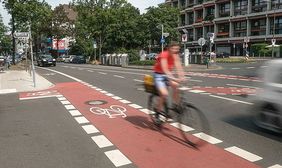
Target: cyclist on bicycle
x,y
163,75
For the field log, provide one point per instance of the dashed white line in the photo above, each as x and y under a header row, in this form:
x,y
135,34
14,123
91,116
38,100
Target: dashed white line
x,y
109,94
125,101
81,120
117,98
135,106
117,158
275,166
196,91
263,66
242,86
244,154
102,141
207,138
119,76
103,73
75,112
235,68
234,100
194,80
62,98
6,91
90,129
184,88
250,67
137,80
183,127
90,71
69,107
103,91
98,89
65,102
146,111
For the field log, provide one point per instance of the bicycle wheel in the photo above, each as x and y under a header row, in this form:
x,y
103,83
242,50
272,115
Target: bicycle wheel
x,y
191,118
152,105
97,110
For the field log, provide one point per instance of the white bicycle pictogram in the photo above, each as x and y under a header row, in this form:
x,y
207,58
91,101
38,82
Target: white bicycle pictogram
x,y
112,112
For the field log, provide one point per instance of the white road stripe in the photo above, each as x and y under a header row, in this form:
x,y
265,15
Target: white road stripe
x,y
6,91
193,80
59,96
103,73
196,91
69,107
275,166
242,86
125,101
37,97
62,98
103,91
65,102
90,129
75,112
119,76
235,68
78,80
244,154
117,158
135,106
263,66
117,98
146,111
98,89
184,88
81,120
207,138
234,100
90,71
137,80
101,141
141,89
183,127
250,67
109,94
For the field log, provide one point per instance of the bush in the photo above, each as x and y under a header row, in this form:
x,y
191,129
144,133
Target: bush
x,y
233,60
146,62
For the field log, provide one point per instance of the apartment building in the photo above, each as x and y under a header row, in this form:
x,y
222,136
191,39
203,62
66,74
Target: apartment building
x,y
231,21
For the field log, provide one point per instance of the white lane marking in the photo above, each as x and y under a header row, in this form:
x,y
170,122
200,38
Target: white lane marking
x,y
244,154
62,98
90,129
242,86
263,66
135,106
184,88
196,91
194,80
94,87
250,67
37,97
81,120
183,127
146,111
117,98
141,89
103,73
109,94
6,91
234,100
275,166
65,102
207,138
117,158
59,96
137,80
103,91
71,77
98,89
235,68
69,107
119,76
101,141
205,93
125,101
90,71
75,112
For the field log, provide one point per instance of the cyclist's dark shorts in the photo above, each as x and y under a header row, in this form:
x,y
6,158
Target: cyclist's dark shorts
x,y
160,80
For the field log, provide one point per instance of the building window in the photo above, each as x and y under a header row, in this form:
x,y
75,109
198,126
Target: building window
x,y
259,6
258,27
183,4
240,7
199,33
190,18
190,35
278,25
240,29
190,3
199,16
276,4
210,14
200,2
210,29
223,30
224,10
182,19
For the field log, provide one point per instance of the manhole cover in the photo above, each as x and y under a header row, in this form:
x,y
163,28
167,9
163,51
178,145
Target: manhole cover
x,y
96,102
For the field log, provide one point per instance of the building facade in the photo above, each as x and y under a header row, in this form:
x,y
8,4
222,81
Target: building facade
x,y
231,21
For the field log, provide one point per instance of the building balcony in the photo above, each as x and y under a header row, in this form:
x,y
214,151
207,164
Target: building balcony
x,y
223,34
198,20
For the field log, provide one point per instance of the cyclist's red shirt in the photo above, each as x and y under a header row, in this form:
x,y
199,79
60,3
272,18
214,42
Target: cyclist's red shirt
x,y
170,62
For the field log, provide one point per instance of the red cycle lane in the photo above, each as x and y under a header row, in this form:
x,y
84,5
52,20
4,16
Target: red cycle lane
x,y
136,137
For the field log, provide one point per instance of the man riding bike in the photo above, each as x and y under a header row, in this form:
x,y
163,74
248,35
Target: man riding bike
x,y
165,63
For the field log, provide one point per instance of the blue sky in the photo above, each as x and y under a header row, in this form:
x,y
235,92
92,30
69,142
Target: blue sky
x,y
141,4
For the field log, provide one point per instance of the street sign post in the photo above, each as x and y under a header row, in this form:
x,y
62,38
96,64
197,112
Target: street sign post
x,y
166,34
21,35
184,38
201,42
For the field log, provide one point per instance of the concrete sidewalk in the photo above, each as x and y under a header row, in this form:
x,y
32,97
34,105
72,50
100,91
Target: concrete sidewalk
x,y
21,81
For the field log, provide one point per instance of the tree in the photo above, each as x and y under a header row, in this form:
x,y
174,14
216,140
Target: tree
x,y
260,49
5,42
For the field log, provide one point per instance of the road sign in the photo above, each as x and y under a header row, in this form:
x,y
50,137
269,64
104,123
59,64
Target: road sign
x,y
273,41
21,35
165,34
184,38
246,39
210,35
162,40
201,41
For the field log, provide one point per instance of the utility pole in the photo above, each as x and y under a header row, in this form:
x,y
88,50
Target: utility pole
x,y
31,55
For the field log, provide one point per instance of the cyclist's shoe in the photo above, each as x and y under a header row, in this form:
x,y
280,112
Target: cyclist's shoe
x,y
157,119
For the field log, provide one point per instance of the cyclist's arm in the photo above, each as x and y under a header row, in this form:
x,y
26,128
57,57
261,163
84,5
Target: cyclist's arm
x,y
165,69
178,66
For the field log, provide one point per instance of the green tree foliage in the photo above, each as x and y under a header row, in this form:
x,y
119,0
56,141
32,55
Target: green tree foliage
x,y
5,41
260,49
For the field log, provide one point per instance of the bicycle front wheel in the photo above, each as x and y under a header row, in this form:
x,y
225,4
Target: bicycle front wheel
x,y
191,118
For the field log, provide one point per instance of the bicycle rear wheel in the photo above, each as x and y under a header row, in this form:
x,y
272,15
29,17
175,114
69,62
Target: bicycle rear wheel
x,y
152,106
191,118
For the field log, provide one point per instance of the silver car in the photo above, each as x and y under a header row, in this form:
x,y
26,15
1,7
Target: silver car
x,y
268,104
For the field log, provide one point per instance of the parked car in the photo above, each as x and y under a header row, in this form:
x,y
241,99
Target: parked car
x,y
44,60
151,56
61,58
267,108
78,59
69,58
223,55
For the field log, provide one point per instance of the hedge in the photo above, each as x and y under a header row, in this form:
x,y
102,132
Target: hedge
x,y
233,60
146,62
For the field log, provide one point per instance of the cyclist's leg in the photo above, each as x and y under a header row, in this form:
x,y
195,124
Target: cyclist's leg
x,y
162,89
174,85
